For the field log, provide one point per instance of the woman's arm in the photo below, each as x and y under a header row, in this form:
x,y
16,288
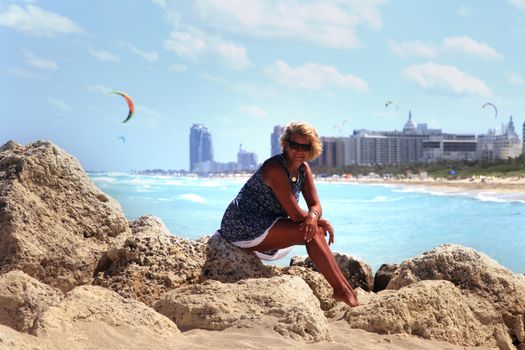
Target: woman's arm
x,y
310,192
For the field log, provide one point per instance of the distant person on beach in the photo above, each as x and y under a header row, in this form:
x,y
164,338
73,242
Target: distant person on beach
x,y
266,218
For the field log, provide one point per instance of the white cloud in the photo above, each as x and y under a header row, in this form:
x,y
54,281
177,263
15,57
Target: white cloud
x,y
36,21
324,23
254,111
99,88
23,73
58,104
466,45
519,4
195,45
457,45
313,76
515,78
233,56
150,57
185,44
413,48
104,55
444,78
31,59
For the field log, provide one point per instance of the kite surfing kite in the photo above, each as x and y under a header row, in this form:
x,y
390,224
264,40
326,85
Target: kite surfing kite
x,y
122,138
493,106
131,105
389,102
340,126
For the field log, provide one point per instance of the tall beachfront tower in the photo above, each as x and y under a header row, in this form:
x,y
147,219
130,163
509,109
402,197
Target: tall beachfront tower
x,y
523,139
201,149
276,135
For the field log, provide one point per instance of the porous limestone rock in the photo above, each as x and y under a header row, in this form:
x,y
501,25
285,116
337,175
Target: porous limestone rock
x,y
55,224
475,274
22,298
429,309
356,271
317,283
92,316
282,303
152,262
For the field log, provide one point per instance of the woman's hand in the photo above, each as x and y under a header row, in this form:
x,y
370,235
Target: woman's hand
x,y
327,228
309,226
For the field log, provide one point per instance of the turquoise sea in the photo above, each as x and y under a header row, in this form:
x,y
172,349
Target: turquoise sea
x,y
378,223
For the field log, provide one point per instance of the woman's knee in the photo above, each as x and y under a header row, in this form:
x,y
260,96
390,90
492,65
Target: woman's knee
x,y
318,236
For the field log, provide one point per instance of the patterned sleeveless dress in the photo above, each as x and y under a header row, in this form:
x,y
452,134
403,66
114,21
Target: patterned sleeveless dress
x,y
255,209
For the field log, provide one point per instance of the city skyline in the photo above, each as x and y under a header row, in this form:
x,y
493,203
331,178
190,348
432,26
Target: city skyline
x,y
242,68
340,151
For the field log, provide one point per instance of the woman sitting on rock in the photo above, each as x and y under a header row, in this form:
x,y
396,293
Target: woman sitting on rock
x,y
265,217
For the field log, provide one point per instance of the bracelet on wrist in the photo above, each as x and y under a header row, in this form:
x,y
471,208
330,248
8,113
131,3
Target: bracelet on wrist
x,y
314,212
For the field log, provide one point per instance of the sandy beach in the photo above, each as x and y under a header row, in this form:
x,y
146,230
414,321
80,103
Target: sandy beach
x,y
490,188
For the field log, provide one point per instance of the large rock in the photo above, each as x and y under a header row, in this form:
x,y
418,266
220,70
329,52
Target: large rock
x,y
153,262
356,271
93,317
22,298
476,275
55,224
383,276
429,309
317,283
283,303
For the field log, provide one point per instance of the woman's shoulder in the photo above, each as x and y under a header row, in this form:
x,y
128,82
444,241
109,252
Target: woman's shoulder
x,y
273,161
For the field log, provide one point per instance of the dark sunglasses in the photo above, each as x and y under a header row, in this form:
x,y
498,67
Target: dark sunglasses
x,y
300,146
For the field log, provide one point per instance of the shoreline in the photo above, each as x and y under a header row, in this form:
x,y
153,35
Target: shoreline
x,y
507,189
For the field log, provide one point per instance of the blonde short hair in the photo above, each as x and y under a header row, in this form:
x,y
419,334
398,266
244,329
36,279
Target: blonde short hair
x,y
306,130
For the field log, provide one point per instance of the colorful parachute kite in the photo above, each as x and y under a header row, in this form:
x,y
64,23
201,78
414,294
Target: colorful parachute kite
x,y
389,102
131,105
493,106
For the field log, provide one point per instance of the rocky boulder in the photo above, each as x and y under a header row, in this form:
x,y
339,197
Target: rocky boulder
x,y
383,276
282,303
356,271
153,262
317,283
475,274
93,317
22,298
431,310
55,224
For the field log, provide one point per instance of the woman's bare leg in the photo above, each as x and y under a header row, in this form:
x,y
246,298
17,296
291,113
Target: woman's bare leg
x,y
285,233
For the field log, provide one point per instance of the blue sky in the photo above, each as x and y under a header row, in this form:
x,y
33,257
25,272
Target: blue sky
x,y
240,67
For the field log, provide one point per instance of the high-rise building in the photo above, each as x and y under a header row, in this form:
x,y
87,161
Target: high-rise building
x,y
246,160
523,139
201,149
500,145
389,147
276,135
334,152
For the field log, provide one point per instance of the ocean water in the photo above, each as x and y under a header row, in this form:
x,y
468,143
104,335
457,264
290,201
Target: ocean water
x,y
378,223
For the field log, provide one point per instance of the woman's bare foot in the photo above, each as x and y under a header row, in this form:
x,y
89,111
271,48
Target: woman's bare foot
x,y
346,297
